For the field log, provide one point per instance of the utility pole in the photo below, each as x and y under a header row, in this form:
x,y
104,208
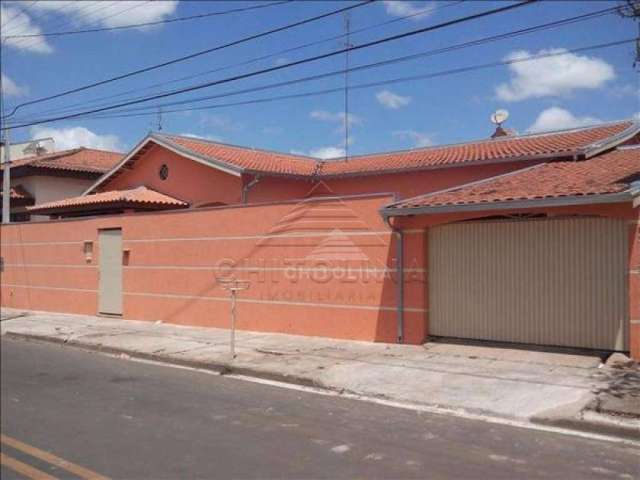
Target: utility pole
x,y
6,171
6,180
347,27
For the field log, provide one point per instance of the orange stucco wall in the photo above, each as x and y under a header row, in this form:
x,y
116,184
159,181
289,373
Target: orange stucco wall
x,y
287,251
324,267
634,284
410,184
188,180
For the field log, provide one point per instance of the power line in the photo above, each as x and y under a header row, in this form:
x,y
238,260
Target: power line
x,y
396,80
147,24
298,62
428,53
76,16
35,16
19,11
248,62
191,56
382,63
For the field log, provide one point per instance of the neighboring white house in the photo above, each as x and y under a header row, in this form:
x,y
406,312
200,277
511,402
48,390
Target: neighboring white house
x,y
32,148
39,177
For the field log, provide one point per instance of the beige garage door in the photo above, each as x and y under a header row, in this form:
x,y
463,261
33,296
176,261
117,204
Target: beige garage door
x,y
545,282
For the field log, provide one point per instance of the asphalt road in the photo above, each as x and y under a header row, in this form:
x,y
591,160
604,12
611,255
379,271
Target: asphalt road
x,y
125,419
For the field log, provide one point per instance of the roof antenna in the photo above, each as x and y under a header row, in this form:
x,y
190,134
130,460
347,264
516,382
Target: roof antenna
x,y
159,119
348,45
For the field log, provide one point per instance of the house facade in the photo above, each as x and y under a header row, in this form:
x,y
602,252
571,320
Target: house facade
x,y
205,173
528,239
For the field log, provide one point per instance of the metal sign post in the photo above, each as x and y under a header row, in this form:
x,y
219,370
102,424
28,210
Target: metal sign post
x,y
233,285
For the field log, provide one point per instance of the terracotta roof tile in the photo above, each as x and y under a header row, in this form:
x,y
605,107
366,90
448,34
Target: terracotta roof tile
x,y
612,172
247,158
134,197
502,148
77,159
551,144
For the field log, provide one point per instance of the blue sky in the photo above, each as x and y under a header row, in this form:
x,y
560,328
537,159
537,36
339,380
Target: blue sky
x,y
554,92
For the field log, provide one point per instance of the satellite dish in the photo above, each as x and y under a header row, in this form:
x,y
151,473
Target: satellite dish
x,y
499,117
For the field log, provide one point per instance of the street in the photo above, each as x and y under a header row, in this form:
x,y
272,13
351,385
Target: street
x,y
69,413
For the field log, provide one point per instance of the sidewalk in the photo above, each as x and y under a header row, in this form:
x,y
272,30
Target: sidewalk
x,y
520,385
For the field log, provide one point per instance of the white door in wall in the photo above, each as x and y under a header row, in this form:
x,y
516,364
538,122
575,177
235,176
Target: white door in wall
x,y
545,281
110,264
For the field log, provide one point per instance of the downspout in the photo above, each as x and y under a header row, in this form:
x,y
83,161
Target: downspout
x,y
400,284
245,189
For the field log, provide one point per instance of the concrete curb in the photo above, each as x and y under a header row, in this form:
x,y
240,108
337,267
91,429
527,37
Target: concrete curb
x,y
223,368
578,417
564,418
600,425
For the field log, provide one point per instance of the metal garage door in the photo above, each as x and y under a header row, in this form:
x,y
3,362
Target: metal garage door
x,y
545,282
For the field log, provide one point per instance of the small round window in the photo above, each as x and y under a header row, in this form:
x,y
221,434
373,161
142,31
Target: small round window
x,y
164,172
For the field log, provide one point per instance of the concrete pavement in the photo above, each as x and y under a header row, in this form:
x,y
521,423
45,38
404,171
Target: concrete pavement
x,y
129,420
512,384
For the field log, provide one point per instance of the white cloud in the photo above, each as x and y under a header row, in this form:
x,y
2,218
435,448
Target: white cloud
x,y
419,139
392,100
556,118
212,138
16,22
327,153
552,76
401,8
11,88
109,14
221,122
73,137
322,153
338,118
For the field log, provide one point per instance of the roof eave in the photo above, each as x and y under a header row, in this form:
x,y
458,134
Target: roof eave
x,y
593,199
613,141
491,161
206,160
119,165
98,206
170,146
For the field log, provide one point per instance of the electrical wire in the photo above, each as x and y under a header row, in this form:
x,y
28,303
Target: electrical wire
x,y
299,62
360,86
392,61
78,15
98,101
148,24
19,10
191,55
30,16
